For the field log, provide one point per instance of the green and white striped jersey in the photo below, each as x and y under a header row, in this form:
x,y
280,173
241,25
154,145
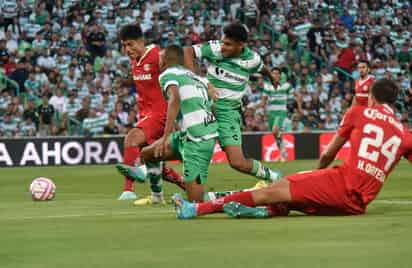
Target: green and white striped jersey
x,y
95,125
301,30
229,75
277,98
71,108
9,128
195,112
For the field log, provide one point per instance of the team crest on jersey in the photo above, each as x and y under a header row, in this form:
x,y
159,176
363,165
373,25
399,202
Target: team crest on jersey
x,y
146,67
365,88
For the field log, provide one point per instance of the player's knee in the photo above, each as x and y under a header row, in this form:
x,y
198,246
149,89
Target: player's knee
x,y
275,130
135,137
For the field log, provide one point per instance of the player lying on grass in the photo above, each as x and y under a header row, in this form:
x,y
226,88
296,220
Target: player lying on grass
x,y
188,100
378,141
231,63
152,115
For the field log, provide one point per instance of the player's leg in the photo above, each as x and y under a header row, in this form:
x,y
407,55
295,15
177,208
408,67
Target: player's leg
x,y
275,125
230,139
278,192
316,192
154,173
196,159
134,139
237,210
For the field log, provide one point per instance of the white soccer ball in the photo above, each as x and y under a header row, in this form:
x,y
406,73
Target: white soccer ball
x,y
42,189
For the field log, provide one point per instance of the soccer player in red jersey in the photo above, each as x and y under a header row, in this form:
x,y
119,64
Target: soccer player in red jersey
x,y
378,141
363,85
152,114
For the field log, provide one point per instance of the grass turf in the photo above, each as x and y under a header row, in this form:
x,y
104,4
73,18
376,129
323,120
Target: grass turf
x,y
85,226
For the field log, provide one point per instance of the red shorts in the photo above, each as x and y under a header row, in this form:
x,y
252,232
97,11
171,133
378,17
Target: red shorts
x,y
323,192
153,126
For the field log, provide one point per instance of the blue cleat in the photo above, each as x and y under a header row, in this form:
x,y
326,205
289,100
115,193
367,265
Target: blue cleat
x,y
184,209
127,195
136,173
237,210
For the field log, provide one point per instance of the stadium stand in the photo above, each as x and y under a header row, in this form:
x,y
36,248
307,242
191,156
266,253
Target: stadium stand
x,y
65,54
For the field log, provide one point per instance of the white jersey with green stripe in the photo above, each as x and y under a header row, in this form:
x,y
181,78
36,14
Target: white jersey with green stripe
x,y
277,98
195,113
228,75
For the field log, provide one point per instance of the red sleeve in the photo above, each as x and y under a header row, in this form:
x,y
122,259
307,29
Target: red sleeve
x,y
348,121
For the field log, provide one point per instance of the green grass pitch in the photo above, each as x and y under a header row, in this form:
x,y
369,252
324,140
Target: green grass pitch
x,y
85,226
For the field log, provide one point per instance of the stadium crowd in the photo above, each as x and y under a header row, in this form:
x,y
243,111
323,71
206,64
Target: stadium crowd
x,y
63,71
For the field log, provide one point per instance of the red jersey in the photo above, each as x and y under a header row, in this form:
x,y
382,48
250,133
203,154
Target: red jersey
x,y
362,89
378,141
146,73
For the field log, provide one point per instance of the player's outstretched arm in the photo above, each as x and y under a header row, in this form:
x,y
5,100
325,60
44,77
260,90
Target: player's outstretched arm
x,y
172,112
189,57
331,151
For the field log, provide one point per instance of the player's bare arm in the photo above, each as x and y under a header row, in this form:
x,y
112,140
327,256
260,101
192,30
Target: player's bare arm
x,y
172,112
189,57
331,151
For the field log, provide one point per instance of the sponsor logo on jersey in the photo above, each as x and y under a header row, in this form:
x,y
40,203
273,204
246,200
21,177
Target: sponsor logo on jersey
x,y
141,77
376,115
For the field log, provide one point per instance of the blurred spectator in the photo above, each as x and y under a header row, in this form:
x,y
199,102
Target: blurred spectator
x,y
96,42
27,128
94,124
46,113
8,127
31,113
111,128
58,101
20,75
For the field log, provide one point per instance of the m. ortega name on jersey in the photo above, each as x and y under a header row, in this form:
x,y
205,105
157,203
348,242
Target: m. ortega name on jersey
x,y
372,170
376,115
141,77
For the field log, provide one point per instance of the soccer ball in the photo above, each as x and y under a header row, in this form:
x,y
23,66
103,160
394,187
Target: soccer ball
x,y
42,189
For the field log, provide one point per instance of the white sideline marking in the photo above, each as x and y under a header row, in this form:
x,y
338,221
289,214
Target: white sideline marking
x,y
394,202
62,216
155,212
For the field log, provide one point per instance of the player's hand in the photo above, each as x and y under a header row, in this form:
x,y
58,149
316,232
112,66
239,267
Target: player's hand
x,y
212,92
160,149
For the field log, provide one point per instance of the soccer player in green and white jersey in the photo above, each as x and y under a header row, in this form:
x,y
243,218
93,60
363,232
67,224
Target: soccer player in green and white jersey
x,y
230,65
275,99
189,103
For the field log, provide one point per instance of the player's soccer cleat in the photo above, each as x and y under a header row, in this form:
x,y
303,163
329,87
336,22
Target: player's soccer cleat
x,y
184,209
136,173
259,185
150,200
172,176
127,195
237,210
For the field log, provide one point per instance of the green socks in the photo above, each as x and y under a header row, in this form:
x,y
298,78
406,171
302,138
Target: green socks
x,y
264,173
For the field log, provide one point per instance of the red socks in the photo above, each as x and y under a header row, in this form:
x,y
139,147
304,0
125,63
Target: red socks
x,y
213,206
170,175
129,158
278,209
